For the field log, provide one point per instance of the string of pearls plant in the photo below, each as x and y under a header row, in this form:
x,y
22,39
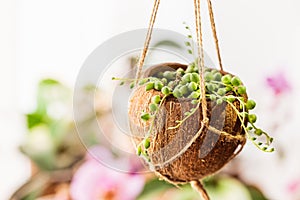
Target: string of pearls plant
x,y
220,88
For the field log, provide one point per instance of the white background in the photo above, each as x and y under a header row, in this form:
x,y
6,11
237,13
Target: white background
x,y
52,38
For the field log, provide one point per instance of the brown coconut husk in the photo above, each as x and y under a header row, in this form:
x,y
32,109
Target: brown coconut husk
x,y
177,155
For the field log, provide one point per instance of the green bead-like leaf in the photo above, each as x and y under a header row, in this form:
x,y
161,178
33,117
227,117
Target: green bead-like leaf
x,y
132,85
258,132
153,107
208,76
235,81
250,104
169,75
212,97
177,93
195,95
231,98
142,82
158,85
193,86
149,86
228,89
186,78
218,76
190,68
221,91
171,84
166,90
195,77
226,79
147,143
184,90
156,99
164,81
188,44
219,101
180,71
241,90
145,116
210,87
139,150
252,118
264,148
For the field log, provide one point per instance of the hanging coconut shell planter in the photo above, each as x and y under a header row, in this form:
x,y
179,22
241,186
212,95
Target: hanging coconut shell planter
x,y
182,146
188,121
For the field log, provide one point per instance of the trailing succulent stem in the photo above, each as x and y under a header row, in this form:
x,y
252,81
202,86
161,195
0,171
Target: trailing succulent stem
x,y
154,107
190,43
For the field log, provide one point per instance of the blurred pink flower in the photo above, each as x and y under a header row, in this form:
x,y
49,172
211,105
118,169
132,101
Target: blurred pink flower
x,y
94,181
294,186
278,83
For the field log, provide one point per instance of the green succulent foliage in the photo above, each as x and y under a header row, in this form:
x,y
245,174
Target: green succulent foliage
x,y
217,186
50,135
219,88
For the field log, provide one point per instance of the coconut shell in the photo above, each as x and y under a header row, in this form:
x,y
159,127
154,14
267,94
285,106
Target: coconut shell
x,y
191,151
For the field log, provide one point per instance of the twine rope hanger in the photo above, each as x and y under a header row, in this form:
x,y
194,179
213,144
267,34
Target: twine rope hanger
x,y
199,44
200,58
150,30
147,41
214,30
196,184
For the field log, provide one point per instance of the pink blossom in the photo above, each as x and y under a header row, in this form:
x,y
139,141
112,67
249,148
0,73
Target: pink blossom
x,y
294,186
94,181
278,83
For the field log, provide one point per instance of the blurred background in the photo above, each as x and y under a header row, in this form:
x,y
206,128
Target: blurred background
x,y
43,45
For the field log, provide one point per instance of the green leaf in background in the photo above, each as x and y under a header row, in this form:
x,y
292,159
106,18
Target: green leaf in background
x,y
228,188
154,187
49,124
255,193
40,147
35,119
168,43
231,188
218,188
159,190
49,82
50,92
